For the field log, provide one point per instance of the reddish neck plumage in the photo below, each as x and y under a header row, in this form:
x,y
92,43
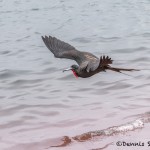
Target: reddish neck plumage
x,y
74,73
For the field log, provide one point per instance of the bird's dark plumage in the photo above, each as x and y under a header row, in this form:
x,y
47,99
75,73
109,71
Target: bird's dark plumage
x,y
88,63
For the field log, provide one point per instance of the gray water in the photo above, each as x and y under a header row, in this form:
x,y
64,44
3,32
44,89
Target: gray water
x,y
39,104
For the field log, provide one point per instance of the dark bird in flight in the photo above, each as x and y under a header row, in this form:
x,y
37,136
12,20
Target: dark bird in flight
x,y
88,64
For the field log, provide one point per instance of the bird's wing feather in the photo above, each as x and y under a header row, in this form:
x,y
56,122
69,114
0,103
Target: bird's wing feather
x,y
90,63
89,66
105,61
94,63
61,49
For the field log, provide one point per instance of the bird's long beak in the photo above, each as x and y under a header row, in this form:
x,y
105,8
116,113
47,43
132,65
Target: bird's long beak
x,y
67,69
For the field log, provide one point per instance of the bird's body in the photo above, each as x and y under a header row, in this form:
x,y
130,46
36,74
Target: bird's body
x,y
88,64
84,74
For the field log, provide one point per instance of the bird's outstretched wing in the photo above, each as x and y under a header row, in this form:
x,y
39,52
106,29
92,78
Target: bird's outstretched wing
x,y
61,49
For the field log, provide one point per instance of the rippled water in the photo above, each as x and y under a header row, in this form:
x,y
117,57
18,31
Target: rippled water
x,y
40,106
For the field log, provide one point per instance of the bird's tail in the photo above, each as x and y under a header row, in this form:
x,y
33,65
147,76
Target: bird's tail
x,y
120,69
105,65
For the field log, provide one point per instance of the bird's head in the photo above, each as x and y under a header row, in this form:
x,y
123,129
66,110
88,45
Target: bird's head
x,y
74,69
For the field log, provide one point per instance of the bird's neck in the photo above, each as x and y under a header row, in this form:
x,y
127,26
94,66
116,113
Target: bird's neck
x,y
74,73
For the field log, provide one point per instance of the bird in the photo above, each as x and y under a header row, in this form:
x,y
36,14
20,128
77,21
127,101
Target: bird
x,y
88,64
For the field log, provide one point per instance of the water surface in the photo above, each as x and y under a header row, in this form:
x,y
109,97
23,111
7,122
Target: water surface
x,y
40,105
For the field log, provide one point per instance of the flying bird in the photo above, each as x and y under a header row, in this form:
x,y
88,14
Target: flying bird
x,y
88,64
